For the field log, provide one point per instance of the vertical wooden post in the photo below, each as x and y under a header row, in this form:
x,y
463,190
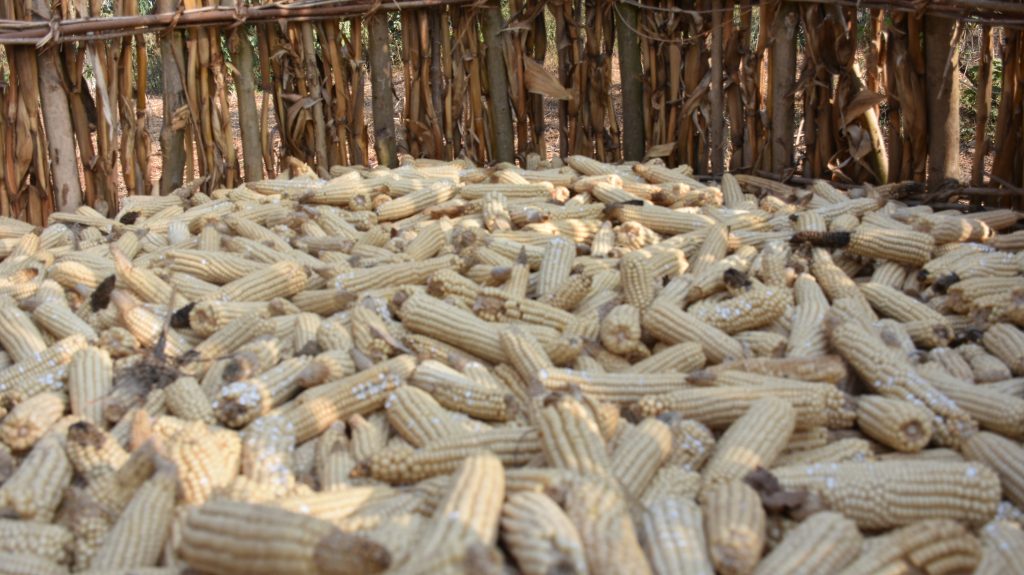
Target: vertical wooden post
x,y
631,73
248,118
382,97
67,190
172,141
943,96
717,103
503,149
984,102
313,86
783,80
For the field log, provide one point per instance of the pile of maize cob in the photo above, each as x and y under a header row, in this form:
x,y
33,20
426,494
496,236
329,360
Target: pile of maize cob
x,y
580,368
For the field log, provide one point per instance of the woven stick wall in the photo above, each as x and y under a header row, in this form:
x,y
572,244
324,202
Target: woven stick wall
x,y
786,88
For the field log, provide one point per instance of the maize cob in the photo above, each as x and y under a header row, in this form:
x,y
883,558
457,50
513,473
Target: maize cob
x,y
827,369
18,335
540,536
30,419
735,527
887,494
672,325
417,417
29,564
719,407
847,449
890,375
671,482
1002,548
609,537
137,538
35,490
753,441
1004,456
984,366
640,453
402,464
673,531
679,358
229,538
58,319
455,391
897,424
934,546
571,437
50,542
823,543
1006,342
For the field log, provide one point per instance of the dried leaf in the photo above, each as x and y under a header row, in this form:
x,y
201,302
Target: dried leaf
x,y
661,150
862,102
540,81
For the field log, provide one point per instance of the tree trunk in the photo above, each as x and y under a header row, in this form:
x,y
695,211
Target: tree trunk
x,y
248,115
941,73
783,80
172,140
383,97
503,146
67,190
631,72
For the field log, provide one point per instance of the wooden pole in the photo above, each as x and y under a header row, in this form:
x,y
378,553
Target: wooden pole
x,y
717,103
783,79
67,190
984,103
631,73
383,97
943,96
503,146
248,115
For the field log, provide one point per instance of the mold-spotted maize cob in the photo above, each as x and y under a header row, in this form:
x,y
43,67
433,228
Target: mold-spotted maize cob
x,y
887,494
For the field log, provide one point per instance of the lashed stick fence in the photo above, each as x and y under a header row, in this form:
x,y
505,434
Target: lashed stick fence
x,y
792,88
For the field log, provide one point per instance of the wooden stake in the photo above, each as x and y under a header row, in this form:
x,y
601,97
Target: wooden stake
x,y
631,74
383,97
783,80
172,140
717,105
59,137
943,94
503,148
984,103
248,115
